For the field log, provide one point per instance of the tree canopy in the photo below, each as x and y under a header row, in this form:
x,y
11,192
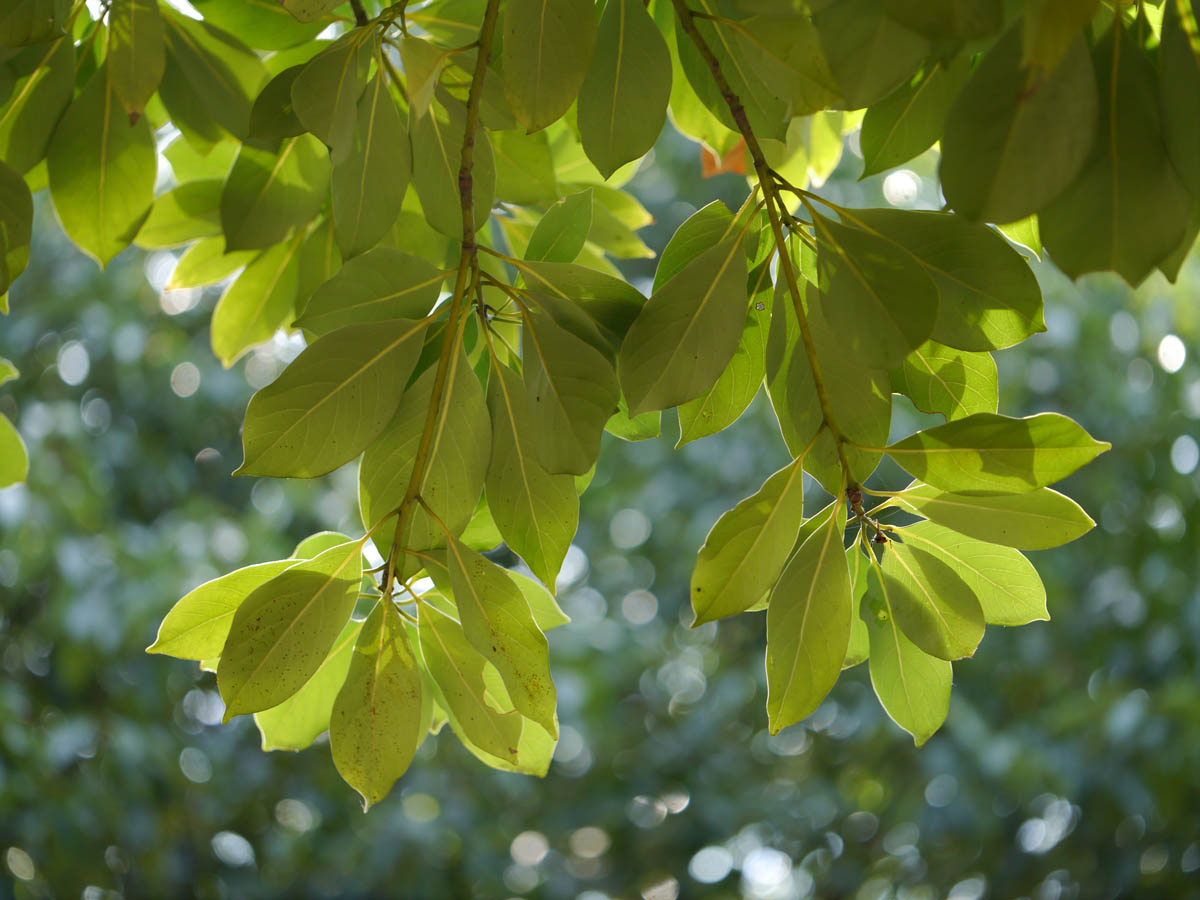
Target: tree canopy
x,y
430,194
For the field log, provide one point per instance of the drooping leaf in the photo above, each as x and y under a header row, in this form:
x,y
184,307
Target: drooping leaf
x,y
457,669
955,383
24,22
296,722
1010,148
571,391
35,104
537,513
16,225
334,399
437,141
731,394
546,612
198,624
102,171
269,194
185,213
325,95
283,631
423,63
1048,29
1127,210
1004,582
860,646
808,625
1179,91
258,303
623,99
547,45
997,454
948,20
786,52
869,53
746,549
222,75
562,230
913,686
524,168
989,298
612,302
882,302
379,285
687,332
136,52
371,175
909,121
934,607
1037,520
14,459
378,717
498,623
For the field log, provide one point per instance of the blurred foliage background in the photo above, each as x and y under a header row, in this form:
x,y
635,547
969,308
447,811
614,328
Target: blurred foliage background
x,y
1069,766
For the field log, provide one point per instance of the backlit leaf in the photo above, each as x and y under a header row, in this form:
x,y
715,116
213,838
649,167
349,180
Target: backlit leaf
x,y
136,52
258,303
547,45
380,284
930,601
952,382
269,194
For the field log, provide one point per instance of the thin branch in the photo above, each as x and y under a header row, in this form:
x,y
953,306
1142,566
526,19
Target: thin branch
x,y
767,181
466,266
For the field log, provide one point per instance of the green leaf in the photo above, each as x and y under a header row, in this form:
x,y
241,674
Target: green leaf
x,y
786,52
222,74
197,625
36,103
379,285
612,302
437,140
296,722
102,172
498,623
537,513
316,544
1004,582
562,231
869,53
545,54
730,395
183,214
456,465
423,63
257,304
378,718
546,611
913,686
808,625
7,371
952,382
457,670
1179,91
860,647
25,22
1026,233
284,630
273,118
571,391
319,261
1038,520
136,52
687,332
1010,148
16,225
334,399
747,548
192,163
325,95
266,23
524,168
997,454
1048,29
701,231
908,121
623,99
932,604
206,262
371,175
1127,210
882,303
14,460
766,111
989,298
268,194
946,21
638,428
308,10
